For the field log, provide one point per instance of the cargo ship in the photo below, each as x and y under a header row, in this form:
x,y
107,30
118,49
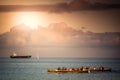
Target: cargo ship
x,y
14,55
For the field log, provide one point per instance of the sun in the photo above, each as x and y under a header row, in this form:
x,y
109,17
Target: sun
x,y
30,19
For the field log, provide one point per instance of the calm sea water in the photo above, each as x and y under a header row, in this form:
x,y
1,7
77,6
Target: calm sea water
x,y
36,69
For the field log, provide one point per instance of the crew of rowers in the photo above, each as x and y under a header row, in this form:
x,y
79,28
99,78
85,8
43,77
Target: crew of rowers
x,y
80,68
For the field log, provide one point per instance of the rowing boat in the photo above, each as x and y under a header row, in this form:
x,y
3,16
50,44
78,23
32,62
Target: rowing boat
x,y
67,71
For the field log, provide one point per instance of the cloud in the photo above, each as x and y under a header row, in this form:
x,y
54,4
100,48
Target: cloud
x,y
77,5
74,5
108,1
57,34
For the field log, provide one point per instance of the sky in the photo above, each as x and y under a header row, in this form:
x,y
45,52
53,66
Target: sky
x,y
73,18
86,14
26,2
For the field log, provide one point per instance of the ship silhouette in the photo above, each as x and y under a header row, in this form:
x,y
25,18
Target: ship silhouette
x,y
14,55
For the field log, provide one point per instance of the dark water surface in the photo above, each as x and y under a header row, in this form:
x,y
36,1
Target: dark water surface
x,y
36,69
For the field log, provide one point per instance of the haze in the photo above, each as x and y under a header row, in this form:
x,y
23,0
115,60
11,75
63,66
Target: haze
x,y
60,28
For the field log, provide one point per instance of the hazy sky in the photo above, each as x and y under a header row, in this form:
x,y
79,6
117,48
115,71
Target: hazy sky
x,y
7,2
13,2
94,20
77,14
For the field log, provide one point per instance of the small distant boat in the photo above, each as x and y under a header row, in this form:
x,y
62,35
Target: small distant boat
x,y
14,55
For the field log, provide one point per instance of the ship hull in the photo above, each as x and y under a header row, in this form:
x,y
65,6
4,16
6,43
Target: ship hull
x,y
19,57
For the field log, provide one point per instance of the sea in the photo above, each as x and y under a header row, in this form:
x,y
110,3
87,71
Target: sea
x,y
36,68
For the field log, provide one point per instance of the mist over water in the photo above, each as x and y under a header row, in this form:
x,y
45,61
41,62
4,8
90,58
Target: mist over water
x,y
74,52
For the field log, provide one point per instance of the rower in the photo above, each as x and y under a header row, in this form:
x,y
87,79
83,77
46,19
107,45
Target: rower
x,y
101,68
94,68
59,68
82,68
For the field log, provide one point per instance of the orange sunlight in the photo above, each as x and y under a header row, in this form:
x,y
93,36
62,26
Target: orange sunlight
x,y
28,18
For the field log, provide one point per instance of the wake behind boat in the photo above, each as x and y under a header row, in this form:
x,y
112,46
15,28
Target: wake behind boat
x,y
14,55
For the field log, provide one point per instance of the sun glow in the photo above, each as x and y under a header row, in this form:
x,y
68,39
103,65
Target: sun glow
x,y
30,19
